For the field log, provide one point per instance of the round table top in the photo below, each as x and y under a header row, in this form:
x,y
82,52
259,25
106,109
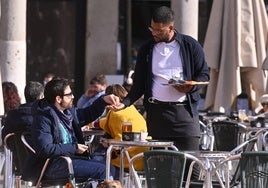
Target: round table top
x,y
209,154
90,132
149,143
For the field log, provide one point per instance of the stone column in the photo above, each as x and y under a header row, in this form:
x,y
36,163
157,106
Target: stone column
x,y
101,38
13,43
186,20
2,111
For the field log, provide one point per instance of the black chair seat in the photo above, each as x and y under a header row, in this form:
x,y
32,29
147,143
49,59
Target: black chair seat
x,y
226,135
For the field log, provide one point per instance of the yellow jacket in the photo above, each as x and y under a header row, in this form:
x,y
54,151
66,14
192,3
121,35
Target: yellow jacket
x,y
112,124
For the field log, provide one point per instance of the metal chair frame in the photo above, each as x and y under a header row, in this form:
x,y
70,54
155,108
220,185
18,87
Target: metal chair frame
x,y
40,180
9,163
254,167
134,174
227,180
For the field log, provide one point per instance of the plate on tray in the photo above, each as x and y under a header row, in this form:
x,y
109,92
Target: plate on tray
x,y
184,82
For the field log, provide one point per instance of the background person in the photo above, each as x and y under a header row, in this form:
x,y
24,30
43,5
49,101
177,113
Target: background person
x,y
20,119
11,96
264,104
96,89
171,110
48,77
112,125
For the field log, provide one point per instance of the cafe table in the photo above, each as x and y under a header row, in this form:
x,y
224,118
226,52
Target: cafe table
x,y
211,161
123,145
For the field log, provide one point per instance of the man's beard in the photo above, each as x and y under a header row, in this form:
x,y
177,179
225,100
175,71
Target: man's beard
x,y
162,39
67,105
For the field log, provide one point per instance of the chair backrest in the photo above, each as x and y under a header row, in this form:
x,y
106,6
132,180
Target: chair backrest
x,y
164,168
13,142
265,141
254,169
246,146
26,141
226,135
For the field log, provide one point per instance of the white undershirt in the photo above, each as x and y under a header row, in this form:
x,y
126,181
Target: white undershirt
x,y
166,64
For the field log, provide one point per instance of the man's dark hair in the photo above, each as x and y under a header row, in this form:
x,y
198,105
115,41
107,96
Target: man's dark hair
x,y
33,91
98,79
163,15
55,88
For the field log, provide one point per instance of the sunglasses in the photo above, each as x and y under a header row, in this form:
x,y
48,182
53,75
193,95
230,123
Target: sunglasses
x,y
264,104
157,31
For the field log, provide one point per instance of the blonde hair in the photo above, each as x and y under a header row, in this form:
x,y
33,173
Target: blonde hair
x,y
117,90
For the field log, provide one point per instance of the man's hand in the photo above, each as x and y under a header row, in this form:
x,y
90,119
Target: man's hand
x,y
114,102
120,106
111,99
90,92
81,148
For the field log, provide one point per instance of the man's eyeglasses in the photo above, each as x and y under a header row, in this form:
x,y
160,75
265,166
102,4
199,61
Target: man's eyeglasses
x,y
68,94
264,104
157,31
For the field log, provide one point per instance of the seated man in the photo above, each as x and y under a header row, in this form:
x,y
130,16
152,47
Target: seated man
x,y
56,131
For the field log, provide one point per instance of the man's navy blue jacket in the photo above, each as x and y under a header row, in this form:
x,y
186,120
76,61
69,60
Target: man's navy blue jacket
x,y
46,136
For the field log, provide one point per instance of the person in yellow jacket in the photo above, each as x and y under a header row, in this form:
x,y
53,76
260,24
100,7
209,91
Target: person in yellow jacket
x,y
112,124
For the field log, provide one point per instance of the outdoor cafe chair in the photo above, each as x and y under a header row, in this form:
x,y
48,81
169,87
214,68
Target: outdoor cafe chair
x,y
226,135
8,163
69,181
206,136
233,163
223,167
254,169
166,168
21,148
136,178
265,141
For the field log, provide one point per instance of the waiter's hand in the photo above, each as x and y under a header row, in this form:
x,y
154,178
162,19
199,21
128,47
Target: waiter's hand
x,y
184,88
117,107
111,99
113,102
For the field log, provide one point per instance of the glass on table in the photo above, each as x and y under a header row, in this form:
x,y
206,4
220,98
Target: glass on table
x,y
127,134
242,114
126,127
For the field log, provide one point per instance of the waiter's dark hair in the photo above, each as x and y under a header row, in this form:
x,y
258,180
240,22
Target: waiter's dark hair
x,y
163,15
